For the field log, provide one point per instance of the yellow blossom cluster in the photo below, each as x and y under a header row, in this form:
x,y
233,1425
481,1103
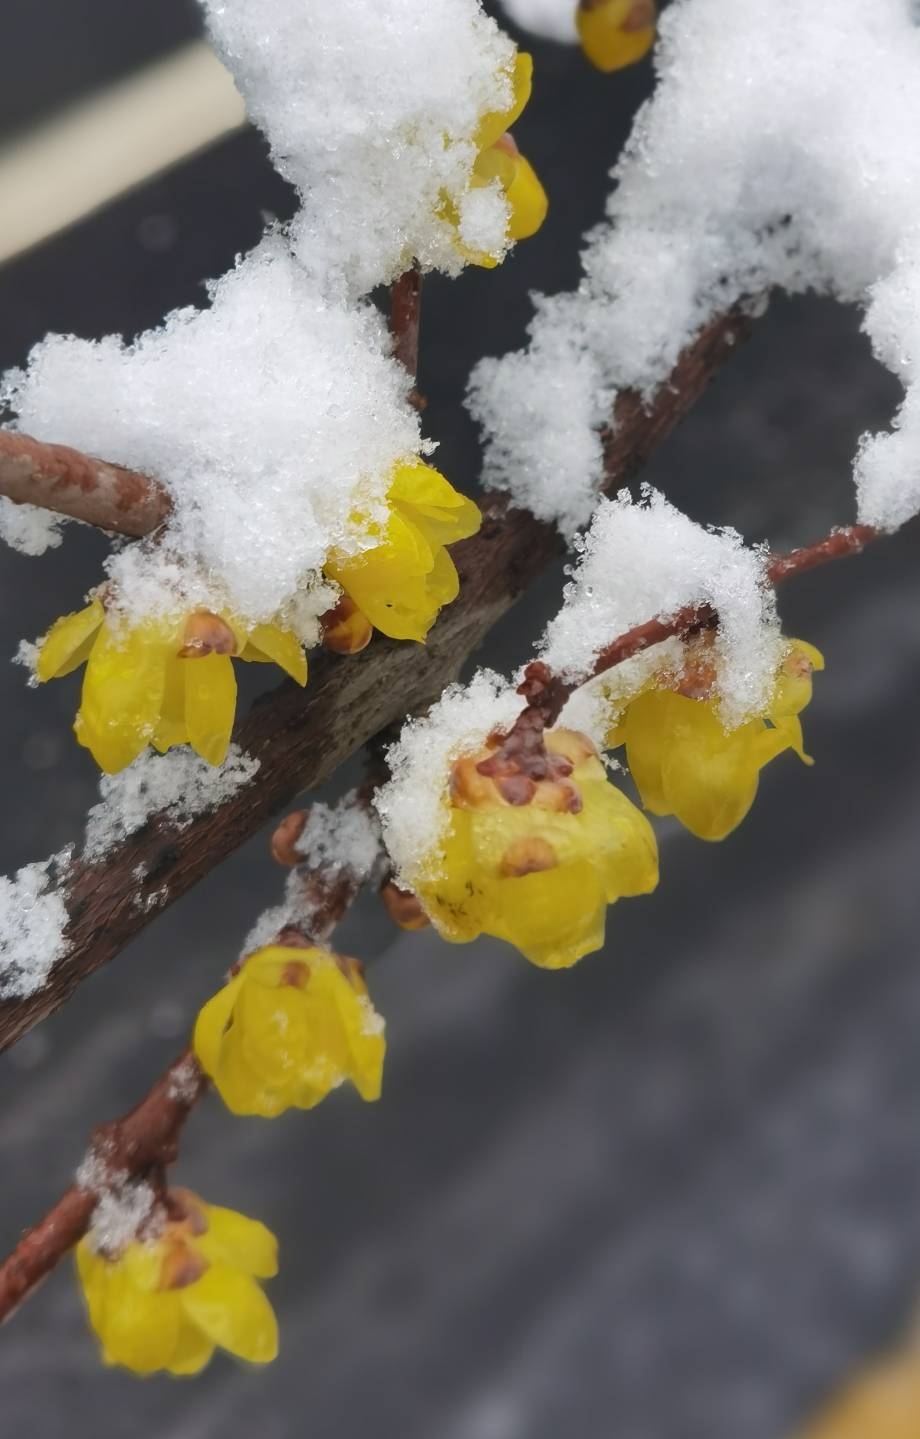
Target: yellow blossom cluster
x,y
533,853
168,1299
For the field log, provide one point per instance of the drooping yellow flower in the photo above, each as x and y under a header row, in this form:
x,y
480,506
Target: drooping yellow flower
x,y
500,159
288,1028
616,33
537,861
883,1403
686,764
169,1299
403,579
163,682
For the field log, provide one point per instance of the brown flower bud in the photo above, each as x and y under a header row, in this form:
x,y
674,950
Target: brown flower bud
x,y
559,796
181,1267
284,840
207,634
295,975
403,907
346,630
529,855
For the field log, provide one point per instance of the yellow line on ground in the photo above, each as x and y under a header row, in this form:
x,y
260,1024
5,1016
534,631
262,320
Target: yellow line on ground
x,y
88,155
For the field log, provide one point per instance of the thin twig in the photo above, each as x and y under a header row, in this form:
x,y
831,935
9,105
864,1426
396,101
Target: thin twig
x,y
69,483
146,1139
405,318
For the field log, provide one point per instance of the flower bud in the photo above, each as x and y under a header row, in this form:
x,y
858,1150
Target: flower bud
x,y
403,908
207,634
346,630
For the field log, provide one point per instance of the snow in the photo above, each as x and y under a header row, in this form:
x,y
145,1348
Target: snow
x,y
268,417
124,1206
337,840
340,838
778,150
646,560
551,19
33,918
178,786
184,1079
413,804
370,111
28,529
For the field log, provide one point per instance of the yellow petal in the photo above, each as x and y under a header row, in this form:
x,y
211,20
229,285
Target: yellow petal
x,y
123,693
171,727
494,125
280,647
211,1025
193,1349
138,1330
67,644
231,1309
235,1239
611,35
210,705
526,196
553,918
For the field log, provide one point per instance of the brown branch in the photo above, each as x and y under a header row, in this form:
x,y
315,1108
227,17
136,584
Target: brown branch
x,y
63,480
405,317
300,737
546,693
146,1140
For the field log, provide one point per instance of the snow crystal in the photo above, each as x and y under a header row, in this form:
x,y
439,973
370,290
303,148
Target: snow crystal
x,y
33,918
184,1079
178,785
268,417
339,838
646,560
28,529
124,1206
371,112
553,19
778,150
413,805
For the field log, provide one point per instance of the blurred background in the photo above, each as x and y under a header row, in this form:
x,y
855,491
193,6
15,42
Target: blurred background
x,y
672,1194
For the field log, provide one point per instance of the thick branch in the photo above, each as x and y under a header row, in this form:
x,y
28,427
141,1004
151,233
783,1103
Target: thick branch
x,y
63,480
300,737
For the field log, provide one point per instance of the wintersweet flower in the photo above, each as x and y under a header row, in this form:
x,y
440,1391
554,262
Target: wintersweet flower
x,y
616,33
167,1300
293,1024
500,159
882,1403
400,582
536,861
166,681
686,764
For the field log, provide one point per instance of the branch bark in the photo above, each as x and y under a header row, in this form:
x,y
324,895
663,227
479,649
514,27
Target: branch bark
x,y
301,737
60,479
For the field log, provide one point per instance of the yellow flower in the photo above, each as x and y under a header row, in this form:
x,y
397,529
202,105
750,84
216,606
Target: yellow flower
x,y
403,579
169,1300
163,682
686,764
536,862
288,1028
616,33
500,159
883,1403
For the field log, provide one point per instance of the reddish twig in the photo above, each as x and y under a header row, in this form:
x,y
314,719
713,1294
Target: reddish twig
x,y
143,1142
405,317
60,479
145,1139
546,693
